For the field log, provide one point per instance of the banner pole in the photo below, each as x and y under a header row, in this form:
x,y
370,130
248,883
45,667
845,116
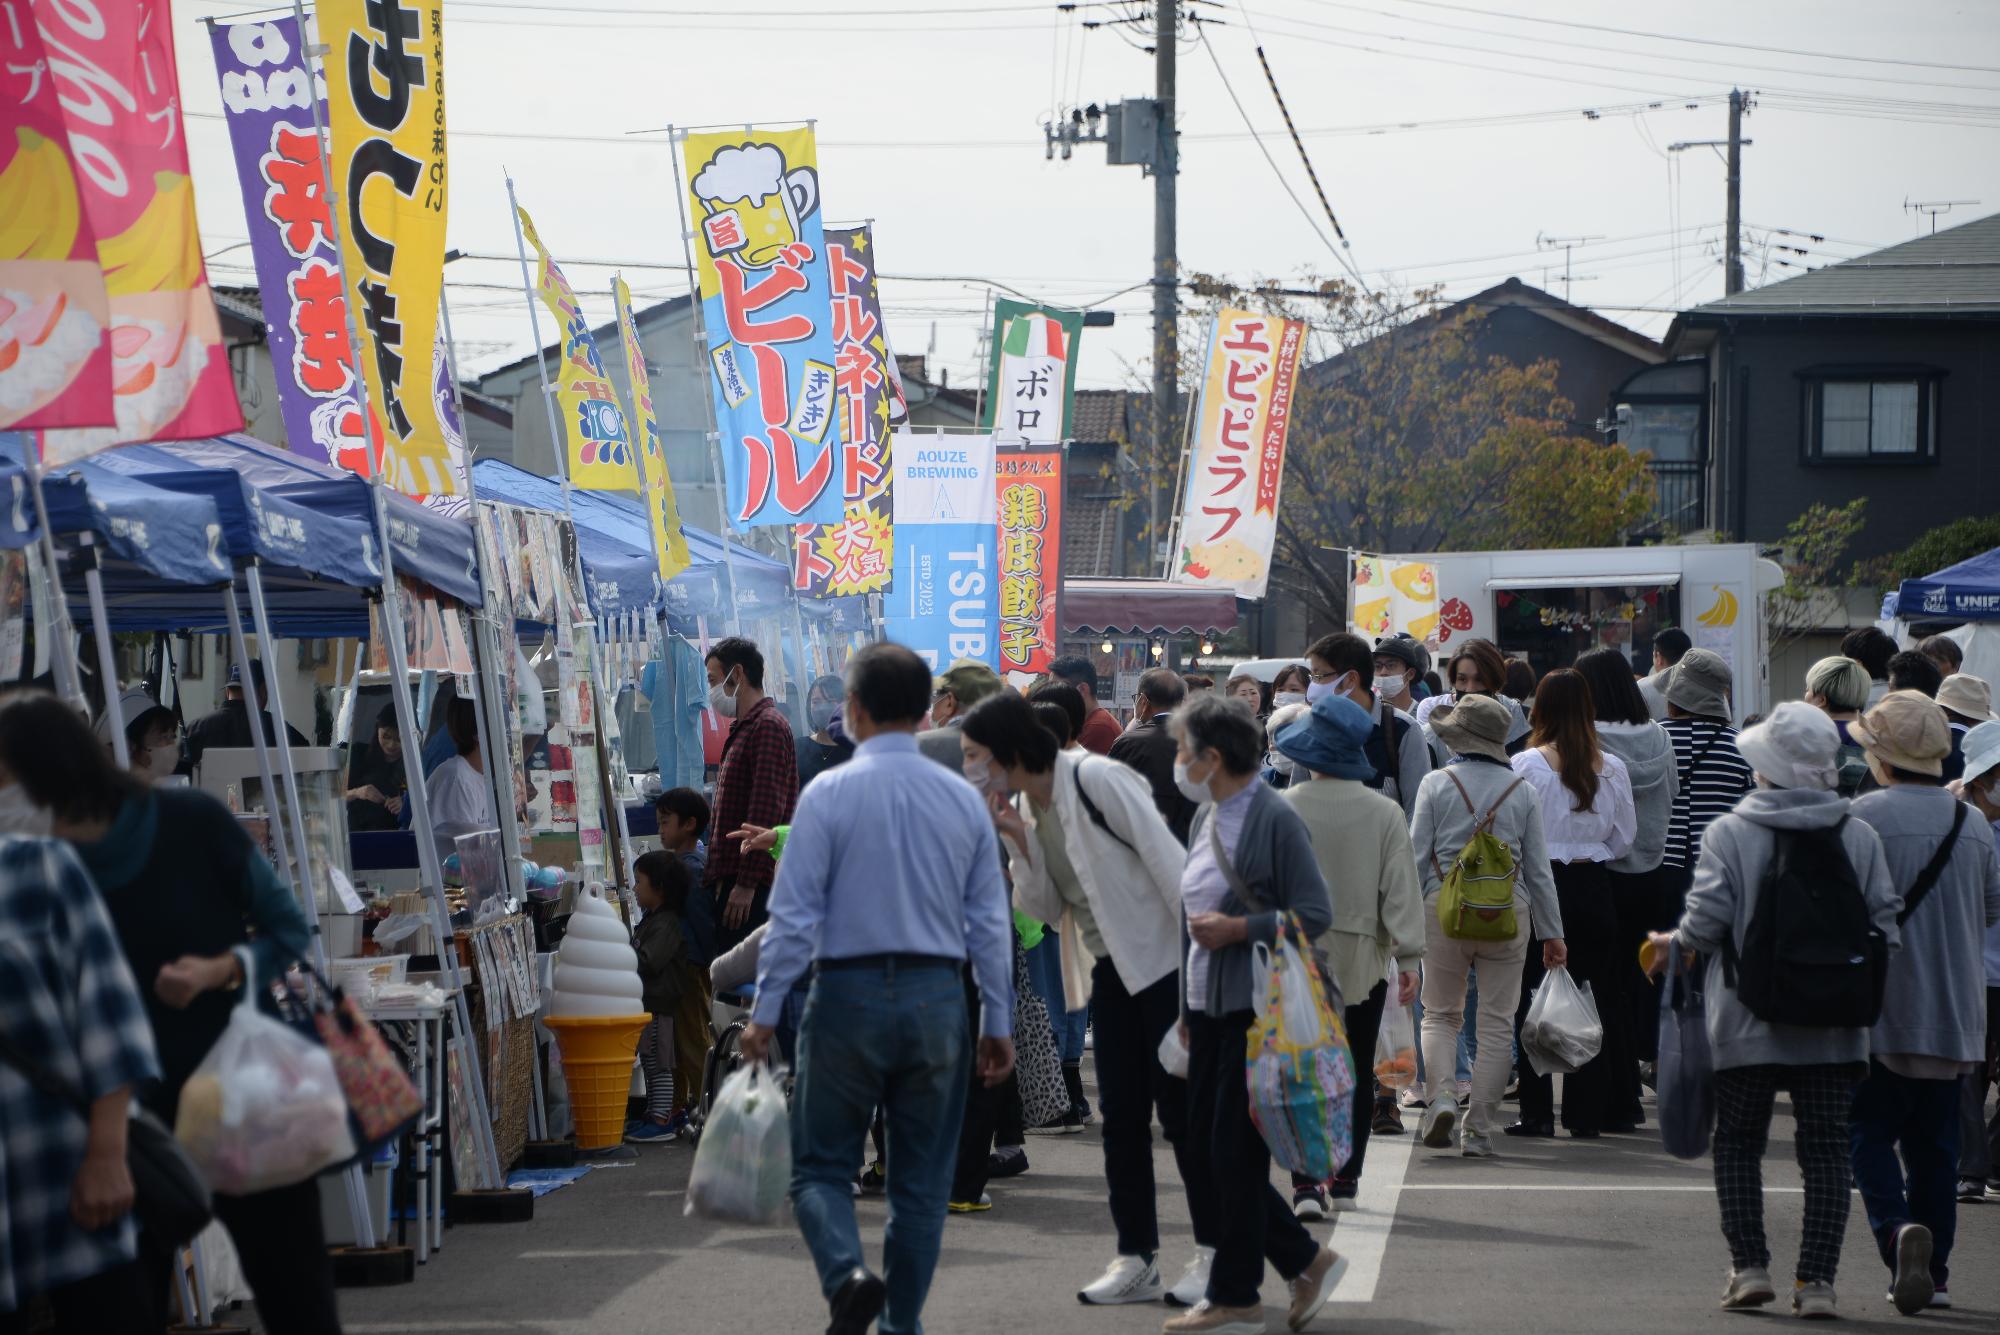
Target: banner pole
x,y
1189,422
704,373
107,661
63,633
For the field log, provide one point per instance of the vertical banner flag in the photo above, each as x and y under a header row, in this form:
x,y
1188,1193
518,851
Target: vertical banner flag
x,y
1029,504
856,555
656,486
1391,597
385,128
766,304
1229,516
1033,382
595,441
944,604
112,64
55,357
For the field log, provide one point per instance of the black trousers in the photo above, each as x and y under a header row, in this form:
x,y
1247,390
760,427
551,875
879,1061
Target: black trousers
x,y
1641,899
1364,1026
282,1248
1254,1221
1131,1087
982,1114
1590,930
111,1302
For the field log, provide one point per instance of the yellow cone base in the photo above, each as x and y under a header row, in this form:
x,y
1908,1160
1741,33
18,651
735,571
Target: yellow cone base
x,y
597,1054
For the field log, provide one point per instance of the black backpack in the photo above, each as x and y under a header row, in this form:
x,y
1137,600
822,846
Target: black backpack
x,y
1811,956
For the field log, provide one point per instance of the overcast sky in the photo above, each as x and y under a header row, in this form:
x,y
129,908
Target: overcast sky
x,y
929,120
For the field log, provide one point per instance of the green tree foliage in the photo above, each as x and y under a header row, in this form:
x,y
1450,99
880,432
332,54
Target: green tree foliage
x,y
1812,554
1945,545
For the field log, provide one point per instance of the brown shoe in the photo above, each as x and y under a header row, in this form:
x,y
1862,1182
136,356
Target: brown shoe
x,y
1205,1318
1311,1289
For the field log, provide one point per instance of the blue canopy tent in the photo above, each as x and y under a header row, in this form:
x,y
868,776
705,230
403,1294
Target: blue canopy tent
x,y
1968,591
619,572
163,534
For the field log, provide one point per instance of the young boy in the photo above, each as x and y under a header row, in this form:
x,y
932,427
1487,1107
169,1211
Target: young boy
x,y
683,816
662,883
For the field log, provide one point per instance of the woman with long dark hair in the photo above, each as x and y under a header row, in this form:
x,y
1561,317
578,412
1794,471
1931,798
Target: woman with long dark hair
x,y
1625,728
186,888
1588,821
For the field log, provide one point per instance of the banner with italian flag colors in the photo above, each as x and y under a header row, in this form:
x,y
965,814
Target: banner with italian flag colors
x,y
656,488
386,132
856,555
55,358
1029,505
1032,386
1236,463
595,439
111,64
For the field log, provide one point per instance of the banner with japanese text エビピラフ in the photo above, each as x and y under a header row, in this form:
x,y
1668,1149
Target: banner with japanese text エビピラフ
x,y
386,134
656,488
760,254
1028,507
112,66
944,603
1032,387
1236,462
596,443
856,555
55,351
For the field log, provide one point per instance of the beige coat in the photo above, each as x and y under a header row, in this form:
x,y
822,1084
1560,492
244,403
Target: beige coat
x,y
1362,846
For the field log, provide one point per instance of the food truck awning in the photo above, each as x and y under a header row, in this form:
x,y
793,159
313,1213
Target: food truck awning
x,y
1639,580
1145,607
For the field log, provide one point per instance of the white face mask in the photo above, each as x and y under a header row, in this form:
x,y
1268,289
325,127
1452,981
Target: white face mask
x,y
1283,698
1319,690
722,699
988,778
1390,685
1193,790
19,814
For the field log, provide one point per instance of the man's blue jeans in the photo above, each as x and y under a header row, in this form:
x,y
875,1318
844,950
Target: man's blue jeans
x,y
892,1033
1045,971
1894,1113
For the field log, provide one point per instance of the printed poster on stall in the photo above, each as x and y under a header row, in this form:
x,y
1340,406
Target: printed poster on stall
x,y
112,66
656,486
1032,387
1028,504
943,603
386,131
856,555
1236,470
596,446
55,355
1388,596
766,303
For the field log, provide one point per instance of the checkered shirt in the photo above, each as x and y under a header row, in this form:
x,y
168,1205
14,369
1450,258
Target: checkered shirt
x,y
756,784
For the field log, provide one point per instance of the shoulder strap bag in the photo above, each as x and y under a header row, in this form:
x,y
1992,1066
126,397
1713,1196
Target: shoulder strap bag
x,y
1928,877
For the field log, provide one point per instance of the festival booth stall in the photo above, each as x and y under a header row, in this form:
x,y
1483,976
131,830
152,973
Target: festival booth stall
x,y
1125,626
1964,597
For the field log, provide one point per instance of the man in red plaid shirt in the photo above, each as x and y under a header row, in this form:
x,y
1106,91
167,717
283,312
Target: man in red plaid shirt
x,y
756,784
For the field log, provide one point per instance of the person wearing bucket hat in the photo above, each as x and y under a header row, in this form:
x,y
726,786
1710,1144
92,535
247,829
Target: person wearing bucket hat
x,y
1710,774
1478,790
1979,1141
1362,845
1967,702
1794,811
1932,1031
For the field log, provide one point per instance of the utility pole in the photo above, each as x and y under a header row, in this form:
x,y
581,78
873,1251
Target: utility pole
x,y
1166,277
1732,277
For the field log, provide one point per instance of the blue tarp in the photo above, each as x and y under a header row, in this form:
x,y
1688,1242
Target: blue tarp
x,y
165,534
1968,591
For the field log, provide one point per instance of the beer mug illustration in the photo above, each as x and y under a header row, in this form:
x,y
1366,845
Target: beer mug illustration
x,y
753,207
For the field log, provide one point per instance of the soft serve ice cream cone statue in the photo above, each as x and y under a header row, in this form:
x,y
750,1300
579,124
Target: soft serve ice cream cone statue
x,y
596,1015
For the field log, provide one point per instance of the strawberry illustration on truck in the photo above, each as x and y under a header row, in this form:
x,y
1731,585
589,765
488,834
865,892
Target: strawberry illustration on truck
x,y
1455,615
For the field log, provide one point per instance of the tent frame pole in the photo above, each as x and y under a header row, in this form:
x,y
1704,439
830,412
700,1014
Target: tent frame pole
x,y
107,660
63,632
253,580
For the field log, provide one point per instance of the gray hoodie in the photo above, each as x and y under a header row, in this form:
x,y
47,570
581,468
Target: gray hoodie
x,y
1735,854
1648,754
1935,1003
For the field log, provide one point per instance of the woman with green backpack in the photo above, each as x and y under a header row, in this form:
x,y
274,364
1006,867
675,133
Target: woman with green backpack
x,y
1478,838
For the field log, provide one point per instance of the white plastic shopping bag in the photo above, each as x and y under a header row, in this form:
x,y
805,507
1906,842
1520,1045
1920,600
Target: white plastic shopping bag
x,y
1297,1007
1562,1030
1174,1053
264,1109
743,1166
1395,1040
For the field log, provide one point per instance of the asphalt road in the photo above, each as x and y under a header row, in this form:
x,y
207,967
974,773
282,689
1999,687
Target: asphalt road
x,y
1562,1236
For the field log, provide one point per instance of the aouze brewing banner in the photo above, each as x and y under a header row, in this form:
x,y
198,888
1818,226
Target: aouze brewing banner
x,y
596,445
761,257
55,355
1029,506
856,555
1236,464
112,65
1032,386
656,487
944,604
385,127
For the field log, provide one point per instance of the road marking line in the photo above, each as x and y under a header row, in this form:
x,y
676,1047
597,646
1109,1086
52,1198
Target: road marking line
x,y
1362,1234
1707,1188
584,1253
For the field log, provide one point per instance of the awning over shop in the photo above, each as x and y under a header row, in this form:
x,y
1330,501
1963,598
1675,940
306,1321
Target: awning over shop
x,y
1968,591
1145,607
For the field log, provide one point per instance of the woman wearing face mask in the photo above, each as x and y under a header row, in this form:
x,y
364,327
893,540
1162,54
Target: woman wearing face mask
x,y
152,735
1250,861
1476,667
1100,863
1280,770
1251,692
186,889
819,749
1289,686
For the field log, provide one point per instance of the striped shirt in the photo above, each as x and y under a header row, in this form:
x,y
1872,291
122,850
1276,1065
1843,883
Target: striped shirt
x,y
1713,777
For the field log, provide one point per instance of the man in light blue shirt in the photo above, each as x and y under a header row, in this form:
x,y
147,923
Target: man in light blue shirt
x,y
889,884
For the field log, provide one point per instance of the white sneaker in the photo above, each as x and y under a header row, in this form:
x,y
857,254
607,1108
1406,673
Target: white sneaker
x,y
1748,1287
1440,1120
1192,1286
1813,1301
1128,1279
1911,1289
1475,1146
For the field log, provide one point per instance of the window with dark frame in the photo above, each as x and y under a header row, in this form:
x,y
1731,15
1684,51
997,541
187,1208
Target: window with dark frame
x,y
1884,419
